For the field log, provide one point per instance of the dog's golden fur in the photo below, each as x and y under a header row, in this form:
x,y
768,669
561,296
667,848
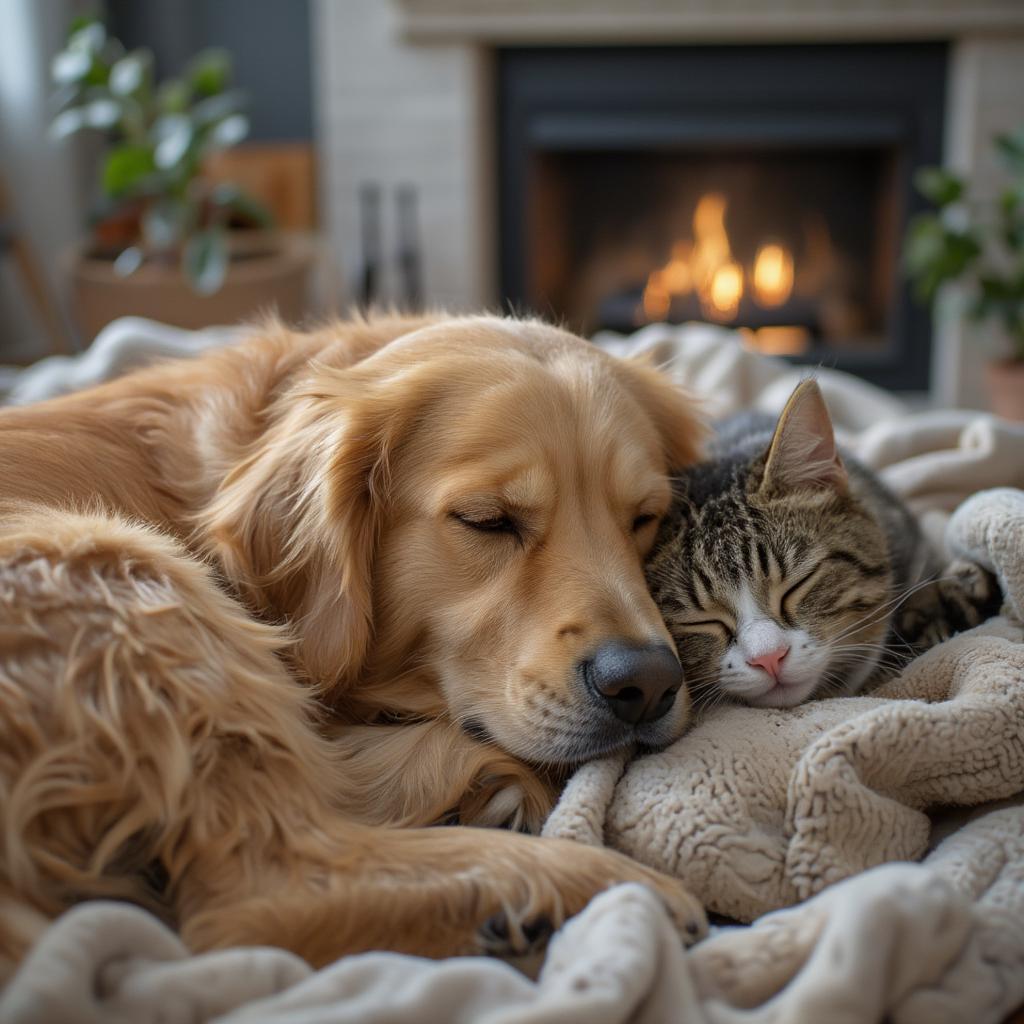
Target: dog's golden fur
x,y
249,614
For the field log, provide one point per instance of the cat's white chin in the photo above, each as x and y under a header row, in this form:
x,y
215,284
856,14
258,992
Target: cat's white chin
x,y
781,695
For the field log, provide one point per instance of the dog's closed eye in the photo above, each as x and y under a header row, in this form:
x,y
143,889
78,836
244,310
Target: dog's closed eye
x,y
501,524
642,520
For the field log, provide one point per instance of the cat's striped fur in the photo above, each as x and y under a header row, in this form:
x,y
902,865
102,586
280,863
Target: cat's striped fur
x,y
787,570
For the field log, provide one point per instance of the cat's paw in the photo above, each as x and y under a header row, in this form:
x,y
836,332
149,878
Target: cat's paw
x,y
963,596
977,590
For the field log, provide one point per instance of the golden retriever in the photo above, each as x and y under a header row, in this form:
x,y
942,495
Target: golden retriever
x,y
257,605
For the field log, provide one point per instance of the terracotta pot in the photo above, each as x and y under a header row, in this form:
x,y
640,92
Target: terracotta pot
x,y
1005,378
266,273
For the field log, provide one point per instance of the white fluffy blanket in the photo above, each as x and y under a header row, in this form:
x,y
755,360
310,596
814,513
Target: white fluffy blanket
x,y
941,940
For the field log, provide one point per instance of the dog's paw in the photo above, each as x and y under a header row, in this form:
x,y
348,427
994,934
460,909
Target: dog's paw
x,y
506,935
567,877
478,891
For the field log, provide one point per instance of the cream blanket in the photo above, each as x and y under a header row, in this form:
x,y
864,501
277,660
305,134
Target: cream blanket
x,y
757,812
759,809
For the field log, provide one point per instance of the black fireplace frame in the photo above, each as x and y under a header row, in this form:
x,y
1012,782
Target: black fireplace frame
x,y
685,97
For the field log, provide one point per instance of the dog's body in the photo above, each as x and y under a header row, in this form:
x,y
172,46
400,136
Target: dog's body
x,y
255,605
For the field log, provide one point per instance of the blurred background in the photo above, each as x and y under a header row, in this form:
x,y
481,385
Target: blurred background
x,y
840,181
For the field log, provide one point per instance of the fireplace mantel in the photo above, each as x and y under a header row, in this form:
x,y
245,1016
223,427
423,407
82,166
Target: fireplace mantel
x,y
662,21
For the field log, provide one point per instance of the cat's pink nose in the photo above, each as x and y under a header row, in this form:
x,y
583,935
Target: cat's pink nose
x,y
770,662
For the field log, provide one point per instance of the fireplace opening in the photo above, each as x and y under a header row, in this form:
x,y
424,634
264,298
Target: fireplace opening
x,y
761,188
797,248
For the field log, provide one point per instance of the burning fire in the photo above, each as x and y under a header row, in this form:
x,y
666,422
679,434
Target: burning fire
x,y
724,292
773,275
707,266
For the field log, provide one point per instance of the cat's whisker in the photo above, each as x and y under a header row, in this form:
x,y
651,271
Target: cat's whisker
x,y
708,680
703,687
830,682
879,613
867,648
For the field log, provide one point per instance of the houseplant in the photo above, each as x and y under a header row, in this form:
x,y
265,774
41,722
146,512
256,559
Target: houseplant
x,y
980,245
166,241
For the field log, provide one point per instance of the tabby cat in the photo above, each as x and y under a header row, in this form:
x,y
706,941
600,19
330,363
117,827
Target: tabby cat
x,y
786,570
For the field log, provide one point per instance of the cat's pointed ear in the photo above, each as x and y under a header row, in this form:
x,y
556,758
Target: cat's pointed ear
x,y
803,450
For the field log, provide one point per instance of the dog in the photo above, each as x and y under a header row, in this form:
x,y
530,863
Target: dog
x,y
261,607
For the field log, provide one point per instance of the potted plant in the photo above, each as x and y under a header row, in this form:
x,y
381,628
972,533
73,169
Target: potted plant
x,y
167,241
980,245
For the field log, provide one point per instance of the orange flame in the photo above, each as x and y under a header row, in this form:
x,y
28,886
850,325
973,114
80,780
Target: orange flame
x,y
724,292
707,266
773,275
657,298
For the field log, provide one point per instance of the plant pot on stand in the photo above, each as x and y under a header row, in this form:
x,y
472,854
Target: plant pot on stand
x,y
268,272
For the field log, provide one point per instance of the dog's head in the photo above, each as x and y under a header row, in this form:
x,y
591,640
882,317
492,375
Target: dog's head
x,y
472,538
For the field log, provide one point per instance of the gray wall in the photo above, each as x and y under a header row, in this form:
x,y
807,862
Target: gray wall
x,y
269,40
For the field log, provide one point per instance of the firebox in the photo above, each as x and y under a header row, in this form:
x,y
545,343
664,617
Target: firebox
x,y
765,188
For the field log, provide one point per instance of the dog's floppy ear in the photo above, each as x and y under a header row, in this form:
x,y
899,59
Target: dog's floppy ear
x,y
676,414
296,523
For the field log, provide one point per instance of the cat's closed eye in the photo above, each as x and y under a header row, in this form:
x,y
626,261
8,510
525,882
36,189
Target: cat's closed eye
x,y
794,592
714,624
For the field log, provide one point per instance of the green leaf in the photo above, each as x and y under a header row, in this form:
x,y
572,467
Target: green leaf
x,y
938,185
210,71
163,224
225,194
113,50
924,242
227,133
131,72
1008,290
1002,298
67,122
64,96
81,21
934,254
102,113
205,260
173,135
126,167
89,36
234,201
98,73
173,95
1011,217
70,66
215,108
1011,149
128,261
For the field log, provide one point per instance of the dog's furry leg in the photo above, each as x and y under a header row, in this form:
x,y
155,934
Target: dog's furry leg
x,y
458,778
432,892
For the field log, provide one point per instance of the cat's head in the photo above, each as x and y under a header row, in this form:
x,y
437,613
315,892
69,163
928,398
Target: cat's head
x,y
771,575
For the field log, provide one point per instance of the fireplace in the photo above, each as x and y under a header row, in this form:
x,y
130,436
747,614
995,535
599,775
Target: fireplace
x,y
765,188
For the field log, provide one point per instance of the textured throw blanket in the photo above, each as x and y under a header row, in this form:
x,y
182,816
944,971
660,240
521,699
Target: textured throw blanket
x,y
816,810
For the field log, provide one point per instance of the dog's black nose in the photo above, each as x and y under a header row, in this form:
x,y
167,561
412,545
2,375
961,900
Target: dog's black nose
x,y
639,684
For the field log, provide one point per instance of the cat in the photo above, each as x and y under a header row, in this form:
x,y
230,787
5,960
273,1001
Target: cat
x,y
786,570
